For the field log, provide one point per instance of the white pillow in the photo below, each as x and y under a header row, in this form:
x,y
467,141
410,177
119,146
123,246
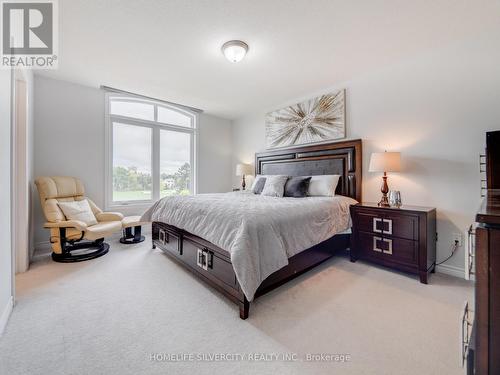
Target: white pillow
x,y
324,185
78,210
275,186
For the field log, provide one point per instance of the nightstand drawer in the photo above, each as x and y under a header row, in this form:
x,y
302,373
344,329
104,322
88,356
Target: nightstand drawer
x,y
388,249
403,226
397,225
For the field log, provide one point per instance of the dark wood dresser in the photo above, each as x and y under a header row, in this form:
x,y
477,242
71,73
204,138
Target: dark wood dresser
x,y
401,238
487,287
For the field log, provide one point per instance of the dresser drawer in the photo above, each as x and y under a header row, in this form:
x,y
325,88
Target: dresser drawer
x,y
396,225
208,263
388,249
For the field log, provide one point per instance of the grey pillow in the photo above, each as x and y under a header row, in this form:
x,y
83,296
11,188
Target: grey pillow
x,y
275,186
259,185
297,187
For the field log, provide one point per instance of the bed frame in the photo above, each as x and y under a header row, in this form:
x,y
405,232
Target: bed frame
x,y
213,264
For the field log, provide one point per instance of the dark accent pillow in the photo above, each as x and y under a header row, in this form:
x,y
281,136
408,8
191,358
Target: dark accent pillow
x,y
259,185
297,187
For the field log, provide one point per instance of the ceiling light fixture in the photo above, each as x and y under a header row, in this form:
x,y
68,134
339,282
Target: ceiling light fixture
x,y
234,50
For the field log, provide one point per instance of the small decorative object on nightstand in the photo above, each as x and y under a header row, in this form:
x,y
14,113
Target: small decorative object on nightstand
x,y
242,170
401,238
395,198
385,162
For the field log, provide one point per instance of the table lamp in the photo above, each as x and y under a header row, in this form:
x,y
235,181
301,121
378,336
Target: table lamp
x,y
385,162
242,170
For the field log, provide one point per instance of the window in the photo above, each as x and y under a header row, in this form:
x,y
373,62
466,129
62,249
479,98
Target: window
x,y
151,150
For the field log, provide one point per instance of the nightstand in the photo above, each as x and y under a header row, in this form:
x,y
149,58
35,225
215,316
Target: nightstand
x,y
400,238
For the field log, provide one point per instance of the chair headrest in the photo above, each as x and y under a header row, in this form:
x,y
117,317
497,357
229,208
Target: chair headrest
x,y
59,187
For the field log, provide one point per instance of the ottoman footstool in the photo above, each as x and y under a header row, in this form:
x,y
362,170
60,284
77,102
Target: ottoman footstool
x,y
129,236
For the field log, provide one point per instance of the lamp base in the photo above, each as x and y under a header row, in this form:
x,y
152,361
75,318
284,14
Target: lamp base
x,y
384,202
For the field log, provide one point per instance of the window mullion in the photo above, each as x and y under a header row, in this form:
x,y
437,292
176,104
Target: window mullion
x,y
156,162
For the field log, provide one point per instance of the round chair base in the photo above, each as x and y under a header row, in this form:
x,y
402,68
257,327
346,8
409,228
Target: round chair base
x,y
132,240
67,257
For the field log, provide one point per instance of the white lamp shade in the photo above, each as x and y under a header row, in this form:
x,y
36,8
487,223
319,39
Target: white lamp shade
x,y
243,169
385,162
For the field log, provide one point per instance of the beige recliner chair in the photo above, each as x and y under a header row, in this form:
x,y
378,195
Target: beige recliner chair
x,y
66,236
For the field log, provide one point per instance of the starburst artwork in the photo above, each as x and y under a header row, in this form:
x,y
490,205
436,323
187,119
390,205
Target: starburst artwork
x,y
315,120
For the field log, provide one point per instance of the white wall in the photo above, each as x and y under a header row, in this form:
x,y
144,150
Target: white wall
x,y
435,109
69,140
5,195
214,154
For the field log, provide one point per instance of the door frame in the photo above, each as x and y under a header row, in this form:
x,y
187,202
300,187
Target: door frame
x,y
20,174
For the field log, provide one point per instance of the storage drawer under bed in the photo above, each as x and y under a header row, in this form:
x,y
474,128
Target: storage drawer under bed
x,y
194,253
168,240
208,262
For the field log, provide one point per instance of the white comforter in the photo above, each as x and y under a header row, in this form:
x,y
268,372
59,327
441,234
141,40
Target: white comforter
x,y
259,232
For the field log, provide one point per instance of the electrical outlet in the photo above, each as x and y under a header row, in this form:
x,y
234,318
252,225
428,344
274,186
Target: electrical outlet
x,y
457,238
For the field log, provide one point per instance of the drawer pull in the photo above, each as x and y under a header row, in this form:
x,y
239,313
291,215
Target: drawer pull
x,y
470,253
375,245
210,259
378,249
205,259
389,226
466,332
201,260
389,247
376,220
163,237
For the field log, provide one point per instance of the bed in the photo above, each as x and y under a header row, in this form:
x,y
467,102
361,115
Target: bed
x,y
245,245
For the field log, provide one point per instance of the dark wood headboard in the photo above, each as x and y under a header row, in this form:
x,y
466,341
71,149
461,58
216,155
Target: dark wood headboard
x,y
343,158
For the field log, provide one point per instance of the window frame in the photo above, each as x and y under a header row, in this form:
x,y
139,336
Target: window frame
x,y
155,127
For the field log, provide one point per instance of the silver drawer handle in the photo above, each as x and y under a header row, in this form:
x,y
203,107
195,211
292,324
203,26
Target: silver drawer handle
x,y
389,229
466,331
205,259
375,246
378,249
375,226
162,236
201,259
470,253
389,250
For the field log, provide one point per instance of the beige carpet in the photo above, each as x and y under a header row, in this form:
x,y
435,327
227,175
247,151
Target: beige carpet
x,y
109,315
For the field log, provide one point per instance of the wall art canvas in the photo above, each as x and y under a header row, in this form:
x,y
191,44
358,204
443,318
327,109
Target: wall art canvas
x,y
320,119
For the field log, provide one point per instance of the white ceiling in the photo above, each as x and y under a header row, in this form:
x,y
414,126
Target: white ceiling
x,y
171,49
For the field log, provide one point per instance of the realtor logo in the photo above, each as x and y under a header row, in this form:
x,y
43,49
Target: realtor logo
x,y
29,34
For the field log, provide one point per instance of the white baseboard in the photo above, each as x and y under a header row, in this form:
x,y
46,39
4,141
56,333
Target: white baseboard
x,y
4,318
42,247
451,270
